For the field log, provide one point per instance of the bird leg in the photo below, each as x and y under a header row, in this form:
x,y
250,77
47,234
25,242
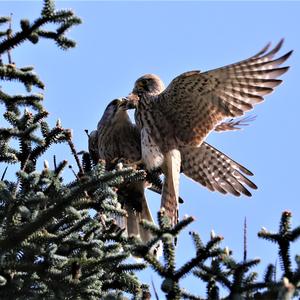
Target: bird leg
x,y
170,192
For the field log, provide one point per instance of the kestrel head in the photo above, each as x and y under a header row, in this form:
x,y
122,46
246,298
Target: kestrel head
x,y
148,84
114,112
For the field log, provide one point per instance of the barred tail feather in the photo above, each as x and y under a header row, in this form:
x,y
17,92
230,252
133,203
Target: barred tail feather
x,y
215,170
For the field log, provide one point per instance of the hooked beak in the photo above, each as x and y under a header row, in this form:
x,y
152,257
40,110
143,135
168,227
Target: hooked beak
x,y
132,100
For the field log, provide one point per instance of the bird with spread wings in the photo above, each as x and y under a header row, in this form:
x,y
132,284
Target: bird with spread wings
x,y
118,139
183,114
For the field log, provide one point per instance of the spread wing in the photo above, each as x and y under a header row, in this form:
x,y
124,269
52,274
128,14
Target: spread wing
x,y
215,170
194,102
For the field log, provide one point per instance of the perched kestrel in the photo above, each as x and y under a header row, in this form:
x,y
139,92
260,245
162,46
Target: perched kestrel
x,y
183,114
118,138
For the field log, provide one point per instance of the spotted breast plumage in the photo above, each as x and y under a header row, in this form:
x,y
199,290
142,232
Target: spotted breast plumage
x,y
193,105
205,164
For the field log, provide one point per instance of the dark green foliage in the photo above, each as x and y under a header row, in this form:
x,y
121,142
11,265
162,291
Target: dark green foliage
x,y
216,267
283,238
51,247
64,19
59,240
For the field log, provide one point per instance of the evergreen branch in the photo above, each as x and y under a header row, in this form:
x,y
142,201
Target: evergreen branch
x,y
9,33
269,274
169,253
285,259
45,130
10,72
283,238
48,8
272,237
30,30
57,249
212,290
285,222
239,285
51,248
254,287
295,234
61,166
86,162
56,135
74,152
4,20
208,273
200,257
186,295
197,241
11,240
181,225
155,264
130,267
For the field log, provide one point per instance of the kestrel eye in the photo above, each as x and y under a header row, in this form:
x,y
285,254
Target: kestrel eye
x,y
144,82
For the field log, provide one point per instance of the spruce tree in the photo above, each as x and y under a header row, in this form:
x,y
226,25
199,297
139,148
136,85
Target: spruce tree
x,y
53,246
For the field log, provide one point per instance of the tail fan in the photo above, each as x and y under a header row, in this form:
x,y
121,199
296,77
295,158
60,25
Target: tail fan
x,y
215,170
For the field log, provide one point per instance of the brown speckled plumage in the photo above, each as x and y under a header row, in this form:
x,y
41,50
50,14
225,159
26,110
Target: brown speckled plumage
x,y
194,103
215,170
116,138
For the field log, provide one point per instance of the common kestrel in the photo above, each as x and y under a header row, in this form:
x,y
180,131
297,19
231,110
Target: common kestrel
x,y
117,138
194,103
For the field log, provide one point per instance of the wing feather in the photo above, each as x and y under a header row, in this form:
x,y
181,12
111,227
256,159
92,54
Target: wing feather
x,y
194,102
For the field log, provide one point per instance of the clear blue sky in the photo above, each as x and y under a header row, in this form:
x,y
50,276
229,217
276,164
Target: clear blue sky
x,y
120,41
